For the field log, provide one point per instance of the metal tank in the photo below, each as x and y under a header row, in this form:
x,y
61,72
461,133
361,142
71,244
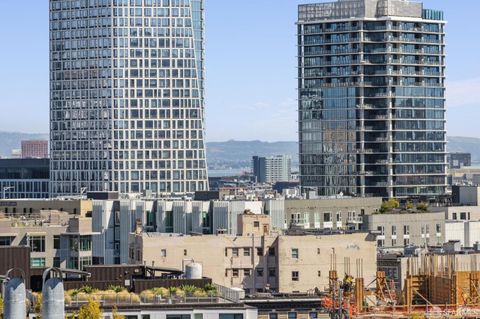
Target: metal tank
x,y
14,299
53,299
194,271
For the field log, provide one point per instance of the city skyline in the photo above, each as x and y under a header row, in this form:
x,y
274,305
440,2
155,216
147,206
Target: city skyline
x,y
265,106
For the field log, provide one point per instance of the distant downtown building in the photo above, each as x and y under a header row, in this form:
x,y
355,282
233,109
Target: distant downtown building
x,y
371,98
126,100
34,149
272,169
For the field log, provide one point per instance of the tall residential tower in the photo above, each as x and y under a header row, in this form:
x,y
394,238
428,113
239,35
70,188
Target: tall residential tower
x,y
126,96
371,98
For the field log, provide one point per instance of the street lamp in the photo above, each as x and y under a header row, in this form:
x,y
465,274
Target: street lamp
x,y
6,188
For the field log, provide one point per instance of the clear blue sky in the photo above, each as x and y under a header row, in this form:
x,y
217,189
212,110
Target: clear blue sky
x,y
251,86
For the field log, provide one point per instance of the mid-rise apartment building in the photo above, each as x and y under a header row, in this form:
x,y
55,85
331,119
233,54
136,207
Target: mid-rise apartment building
x,y
407,229
272,169
372,98
34,149
258,263
126,96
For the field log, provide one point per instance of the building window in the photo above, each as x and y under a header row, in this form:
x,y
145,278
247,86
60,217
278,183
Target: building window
x,y
234,272
197,316
229,316
84,262
273,315
259,251
271,272
394,230
394,242
313,315
271,251
56,262
319,273
292,315
295,276
454,216
163,253
235,252
463,216
179,316
148,316
185,253
406,230
56,242
381,229
327,217
85,243
37,262
438,228
37,243
256,224
6,240
246,251
295,253
380,243
247,272
73,263
259,272
406,242
318,251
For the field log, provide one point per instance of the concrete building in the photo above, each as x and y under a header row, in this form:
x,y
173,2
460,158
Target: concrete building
x,y
405,229
35,149
462,213
371,80
24,178
56,239
466,195
257,262
272,169
466,232
127,97
339,213
279,263
32,207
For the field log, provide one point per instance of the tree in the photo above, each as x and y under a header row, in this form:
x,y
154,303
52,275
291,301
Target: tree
x,y
37,306
90,311
1,308
116,315
388,205
409,204
422,207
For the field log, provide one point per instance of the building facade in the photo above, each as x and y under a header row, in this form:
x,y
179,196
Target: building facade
x,y
24,178
272,169
398,230
371,98
272,262
35,149
126,100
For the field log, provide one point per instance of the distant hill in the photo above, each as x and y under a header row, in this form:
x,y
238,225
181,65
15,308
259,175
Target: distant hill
x,y
241,152
233,151
12,140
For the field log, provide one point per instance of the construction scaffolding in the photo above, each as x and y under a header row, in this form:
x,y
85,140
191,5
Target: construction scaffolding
x,y
435,286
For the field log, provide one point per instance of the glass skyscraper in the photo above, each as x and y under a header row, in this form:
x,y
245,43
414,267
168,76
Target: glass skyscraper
x,y
371,98
126,96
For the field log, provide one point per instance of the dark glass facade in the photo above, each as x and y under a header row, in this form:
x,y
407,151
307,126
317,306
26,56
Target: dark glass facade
x,y
371,99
